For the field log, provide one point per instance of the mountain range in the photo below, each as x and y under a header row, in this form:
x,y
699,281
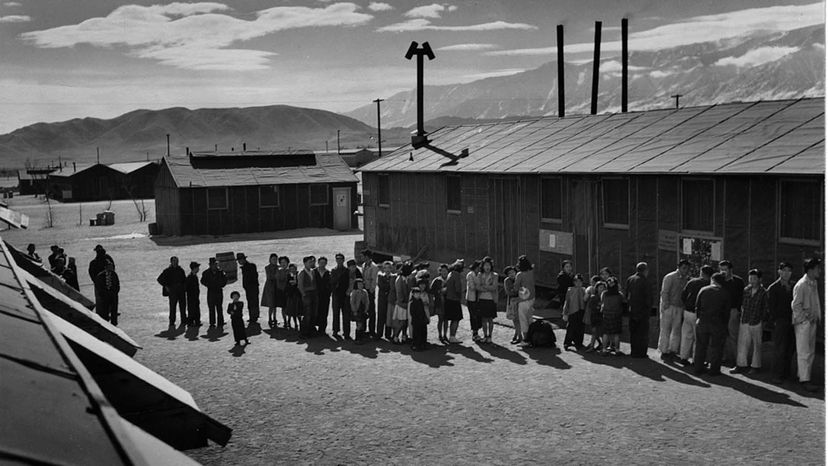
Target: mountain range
x,y
142,134
760,66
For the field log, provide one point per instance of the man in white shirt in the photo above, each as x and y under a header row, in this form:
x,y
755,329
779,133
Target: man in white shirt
x,y
807,314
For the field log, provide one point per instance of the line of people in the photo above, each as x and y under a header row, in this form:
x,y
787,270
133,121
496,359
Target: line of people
x,y
392,301
715,319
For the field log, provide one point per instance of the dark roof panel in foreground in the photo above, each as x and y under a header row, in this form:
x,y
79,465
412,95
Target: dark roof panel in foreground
x,y
783,136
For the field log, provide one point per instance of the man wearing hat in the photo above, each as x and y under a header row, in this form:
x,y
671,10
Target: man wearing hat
x,y
193,299
250,283
215,280
96,266
173,279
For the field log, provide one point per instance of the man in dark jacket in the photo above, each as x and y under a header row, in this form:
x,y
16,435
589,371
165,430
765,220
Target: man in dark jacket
x,y
564,281
173,280
214,279
193,300
107,287
250,283
688,327
639,298
306,282
341,309
735,287
780,297
712,313
323,289
98,264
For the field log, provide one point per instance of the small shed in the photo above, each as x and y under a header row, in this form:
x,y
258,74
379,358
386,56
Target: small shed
x,y
742,181
254,191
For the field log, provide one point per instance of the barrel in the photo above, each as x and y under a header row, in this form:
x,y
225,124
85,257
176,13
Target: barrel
x,y
227,263
153,229
109,217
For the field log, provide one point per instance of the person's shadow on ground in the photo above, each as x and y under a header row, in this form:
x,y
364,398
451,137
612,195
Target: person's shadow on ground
x,y
172,332
547,356
503,352
755,391
433,356
237,351
468,352
214,333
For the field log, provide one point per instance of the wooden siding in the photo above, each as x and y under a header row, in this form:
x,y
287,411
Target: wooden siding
x,y
244,214
501,217
167,203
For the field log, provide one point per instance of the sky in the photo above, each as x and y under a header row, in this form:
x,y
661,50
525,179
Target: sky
x,y
64,59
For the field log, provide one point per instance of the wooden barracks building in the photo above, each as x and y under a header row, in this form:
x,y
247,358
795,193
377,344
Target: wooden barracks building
x,y
742,181
253,191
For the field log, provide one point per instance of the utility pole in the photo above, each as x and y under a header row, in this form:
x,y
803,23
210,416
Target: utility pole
x,y
338,146
676,96
379,129
98,151
326,146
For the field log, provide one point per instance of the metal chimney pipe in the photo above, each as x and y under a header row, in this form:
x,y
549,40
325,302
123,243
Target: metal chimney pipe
x,y
244,147
624,64
596,65
561,87
168,144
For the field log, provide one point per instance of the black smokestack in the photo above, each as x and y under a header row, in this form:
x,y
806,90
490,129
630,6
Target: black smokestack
x,y
624,64
561,97
596,64
168,144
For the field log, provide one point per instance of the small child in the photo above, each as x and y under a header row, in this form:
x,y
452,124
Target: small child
x,y
235,309
418,308
573,314
359,309
593,312
511,301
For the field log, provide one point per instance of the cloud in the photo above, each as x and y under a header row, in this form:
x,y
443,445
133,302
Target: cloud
x,y
11,4
420,24
467,47
429,11
379,6
613,66
758,56
15,19
193,35
493,74
700,29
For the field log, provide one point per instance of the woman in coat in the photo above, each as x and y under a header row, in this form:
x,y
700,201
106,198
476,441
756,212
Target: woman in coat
x,y
269,290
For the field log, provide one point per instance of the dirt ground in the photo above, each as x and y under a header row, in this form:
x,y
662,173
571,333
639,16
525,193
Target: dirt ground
x,y
327,402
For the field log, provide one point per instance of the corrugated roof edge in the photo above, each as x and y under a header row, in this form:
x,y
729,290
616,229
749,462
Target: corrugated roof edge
x,y
406,148
109,417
